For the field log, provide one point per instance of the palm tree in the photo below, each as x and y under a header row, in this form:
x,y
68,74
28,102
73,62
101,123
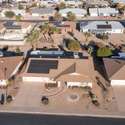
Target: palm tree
x,y
18,17
33,38
87,35
58,16
71,16
105,37
62,5
45,28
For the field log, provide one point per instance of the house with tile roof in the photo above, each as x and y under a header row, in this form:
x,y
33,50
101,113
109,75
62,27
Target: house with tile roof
x,y
107,11
44,13
9,66
115,70
72,72
98,27
15,33
79,13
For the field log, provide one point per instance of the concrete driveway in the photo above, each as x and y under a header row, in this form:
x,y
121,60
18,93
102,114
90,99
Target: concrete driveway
x,y
29,95
119,92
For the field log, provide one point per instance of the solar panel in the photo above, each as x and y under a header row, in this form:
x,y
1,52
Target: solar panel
x,y
104,26
11,25
42,66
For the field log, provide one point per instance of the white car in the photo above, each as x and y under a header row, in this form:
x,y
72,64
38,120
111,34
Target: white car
x,y
1,54
76,55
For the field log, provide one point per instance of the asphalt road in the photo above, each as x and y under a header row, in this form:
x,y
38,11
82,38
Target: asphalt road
x,y
38,21
30,119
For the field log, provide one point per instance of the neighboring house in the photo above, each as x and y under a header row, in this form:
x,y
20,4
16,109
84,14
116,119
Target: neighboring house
x,y
23,1
72,72
9,66
48,3
43,12
98,27
118,1
23,27
73,3
115,71
16,12
103,11
79,13
97,3
15,32
65,26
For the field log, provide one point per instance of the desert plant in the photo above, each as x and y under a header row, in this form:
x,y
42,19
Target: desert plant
x,y
73,45
9,14
71,16
104,52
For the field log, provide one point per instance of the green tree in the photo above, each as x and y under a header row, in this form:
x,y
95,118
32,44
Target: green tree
x,y
9,14
53,30
58,16
62,5
103,36
44,28
18,17
33,5
73,45
33,38
20,7
27,9
18,50
87,35
71,16
104,52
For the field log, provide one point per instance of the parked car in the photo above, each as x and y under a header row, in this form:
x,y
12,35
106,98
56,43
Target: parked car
x,y
76,55
1,54
2,99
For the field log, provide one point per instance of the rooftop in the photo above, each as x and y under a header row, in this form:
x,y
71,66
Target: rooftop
x,y
115,68
16,25
59,69
103,24
118,1
103,10
9,64
98,2
43,10
76,11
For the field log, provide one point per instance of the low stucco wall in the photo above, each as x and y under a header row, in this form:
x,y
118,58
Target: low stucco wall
x,y
12,43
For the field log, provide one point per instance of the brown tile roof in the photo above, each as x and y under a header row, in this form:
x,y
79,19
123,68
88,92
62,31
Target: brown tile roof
x,y
9,64
68,70
115,68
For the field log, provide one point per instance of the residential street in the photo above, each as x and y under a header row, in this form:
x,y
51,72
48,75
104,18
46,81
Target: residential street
x,y
30,119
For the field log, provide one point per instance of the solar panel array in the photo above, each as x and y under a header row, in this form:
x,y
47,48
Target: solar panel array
x,y
42,66
104,26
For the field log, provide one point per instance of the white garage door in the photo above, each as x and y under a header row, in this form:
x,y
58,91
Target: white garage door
x,y
36,79
118,82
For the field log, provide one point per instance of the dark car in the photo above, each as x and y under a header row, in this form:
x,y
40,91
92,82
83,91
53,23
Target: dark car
x,y
2,99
